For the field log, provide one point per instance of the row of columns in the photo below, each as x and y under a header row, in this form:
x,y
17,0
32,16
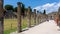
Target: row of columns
x,y
28,17
19,17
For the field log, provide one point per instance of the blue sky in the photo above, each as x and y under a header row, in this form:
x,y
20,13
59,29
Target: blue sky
x,y
35,3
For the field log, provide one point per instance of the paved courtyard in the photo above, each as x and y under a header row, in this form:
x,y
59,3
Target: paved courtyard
x,y
48,27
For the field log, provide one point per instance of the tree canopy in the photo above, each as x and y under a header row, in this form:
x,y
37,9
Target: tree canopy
x,y
44,11
59,9
8,7
15,9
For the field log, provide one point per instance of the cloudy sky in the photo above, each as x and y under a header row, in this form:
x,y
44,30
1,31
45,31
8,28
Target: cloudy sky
x,y
48,5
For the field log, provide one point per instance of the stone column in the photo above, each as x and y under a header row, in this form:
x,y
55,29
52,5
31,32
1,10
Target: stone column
x,y
19,17
38,17
34,16
29,17
26,13
1,18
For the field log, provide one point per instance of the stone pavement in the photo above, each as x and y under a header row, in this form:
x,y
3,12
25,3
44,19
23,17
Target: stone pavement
x,y
48,27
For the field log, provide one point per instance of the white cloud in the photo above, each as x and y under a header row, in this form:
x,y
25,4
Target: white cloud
x,y
38,7
49,7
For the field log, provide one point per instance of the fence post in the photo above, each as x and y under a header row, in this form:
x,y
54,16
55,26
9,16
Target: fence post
x,y
1,18
34,16
19,17
29,17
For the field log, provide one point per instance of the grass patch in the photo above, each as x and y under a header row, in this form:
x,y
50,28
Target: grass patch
x,y
7,25
8,22
9,31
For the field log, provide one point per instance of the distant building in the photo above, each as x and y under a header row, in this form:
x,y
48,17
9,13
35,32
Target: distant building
x,y
52,15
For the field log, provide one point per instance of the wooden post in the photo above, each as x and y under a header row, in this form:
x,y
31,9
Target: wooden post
x,y
29,17
34,16
1,18
19,17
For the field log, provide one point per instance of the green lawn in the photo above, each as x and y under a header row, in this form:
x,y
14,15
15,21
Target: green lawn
x,y
8,22
7,25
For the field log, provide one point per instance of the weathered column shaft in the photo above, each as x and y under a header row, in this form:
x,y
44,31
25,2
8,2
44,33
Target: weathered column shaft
x,y
34,16
1,18
19,17
38,20
29,17
38,16
1,8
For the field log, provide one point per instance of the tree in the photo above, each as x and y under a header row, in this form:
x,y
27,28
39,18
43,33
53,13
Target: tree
x,y
15,9
8,7
23,9
44,11
26,10
59,9
30,8
37,12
